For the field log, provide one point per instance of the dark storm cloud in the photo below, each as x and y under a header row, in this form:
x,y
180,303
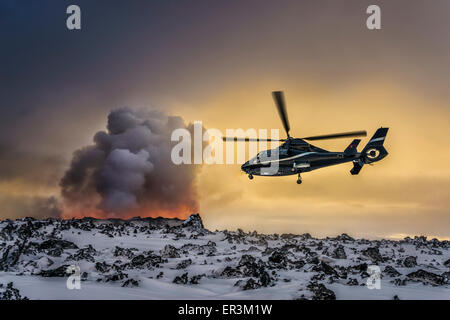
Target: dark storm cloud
x,y
14,207
33,168
29,172
137,49
129,169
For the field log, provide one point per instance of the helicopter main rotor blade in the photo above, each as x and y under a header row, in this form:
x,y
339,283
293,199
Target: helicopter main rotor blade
x,y
362,133
226,139
278,96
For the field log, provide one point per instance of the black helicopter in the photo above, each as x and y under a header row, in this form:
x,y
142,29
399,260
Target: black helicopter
x,y
296,155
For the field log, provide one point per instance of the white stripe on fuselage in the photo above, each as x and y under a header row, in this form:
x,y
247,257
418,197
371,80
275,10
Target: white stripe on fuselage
x,y
289,158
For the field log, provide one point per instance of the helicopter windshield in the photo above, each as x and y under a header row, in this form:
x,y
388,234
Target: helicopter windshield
x,y
269,154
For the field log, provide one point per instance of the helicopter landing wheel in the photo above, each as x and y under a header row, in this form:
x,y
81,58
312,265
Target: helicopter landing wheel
x,y
250,176
299,179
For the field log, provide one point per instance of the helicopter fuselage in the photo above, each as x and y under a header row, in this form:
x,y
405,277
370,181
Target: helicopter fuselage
x,y
291,161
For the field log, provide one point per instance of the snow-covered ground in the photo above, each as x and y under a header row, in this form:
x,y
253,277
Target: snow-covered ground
x,y
175,259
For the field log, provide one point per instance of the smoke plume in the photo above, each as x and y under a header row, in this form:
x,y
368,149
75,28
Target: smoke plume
x,y
128,170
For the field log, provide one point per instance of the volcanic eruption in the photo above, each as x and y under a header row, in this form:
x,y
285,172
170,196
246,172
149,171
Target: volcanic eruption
x,y
128,170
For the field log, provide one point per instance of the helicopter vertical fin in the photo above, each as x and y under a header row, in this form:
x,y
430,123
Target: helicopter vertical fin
x,y
374,151
377,140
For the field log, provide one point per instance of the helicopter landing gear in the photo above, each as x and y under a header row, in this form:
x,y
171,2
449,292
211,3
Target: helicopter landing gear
x,y
250,176
299,179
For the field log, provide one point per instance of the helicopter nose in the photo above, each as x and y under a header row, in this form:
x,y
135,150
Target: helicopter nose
x,y
245,166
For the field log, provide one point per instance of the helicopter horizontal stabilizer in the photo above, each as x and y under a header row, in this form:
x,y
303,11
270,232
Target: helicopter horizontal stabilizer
x,y
357,166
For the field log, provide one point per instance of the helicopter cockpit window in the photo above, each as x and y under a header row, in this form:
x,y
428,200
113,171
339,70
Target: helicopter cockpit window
x,y
269,154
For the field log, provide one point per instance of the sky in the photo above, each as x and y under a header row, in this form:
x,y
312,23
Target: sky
x,y
217,62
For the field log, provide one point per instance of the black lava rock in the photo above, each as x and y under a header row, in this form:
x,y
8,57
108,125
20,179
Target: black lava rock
x,y
57,243
373,254
102,267
183,279
250,284
11,293
230,272
320,292
278,259
131,283
339,253
194,221
326,268
170,251
116,276
184,264
447,263
146,261
391,271
195,279
410,262
427,277
58,272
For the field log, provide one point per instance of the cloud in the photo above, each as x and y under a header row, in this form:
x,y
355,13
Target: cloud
x,y
21,206
128,171
29,166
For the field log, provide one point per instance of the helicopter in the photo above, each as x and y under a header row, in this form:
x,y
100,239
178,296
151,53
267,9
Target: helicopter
x,y
295,155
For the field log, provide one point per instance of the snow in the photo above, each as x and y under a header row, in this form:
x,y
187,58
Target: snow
x,y
221,259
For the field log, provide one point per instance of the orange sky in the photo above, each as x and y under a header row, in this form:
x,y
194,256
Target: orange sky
x,y
407,191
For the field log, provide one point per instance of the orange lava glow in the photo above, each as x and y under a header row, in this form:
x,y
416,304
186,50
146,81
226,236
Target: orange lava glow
x,y
181,212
